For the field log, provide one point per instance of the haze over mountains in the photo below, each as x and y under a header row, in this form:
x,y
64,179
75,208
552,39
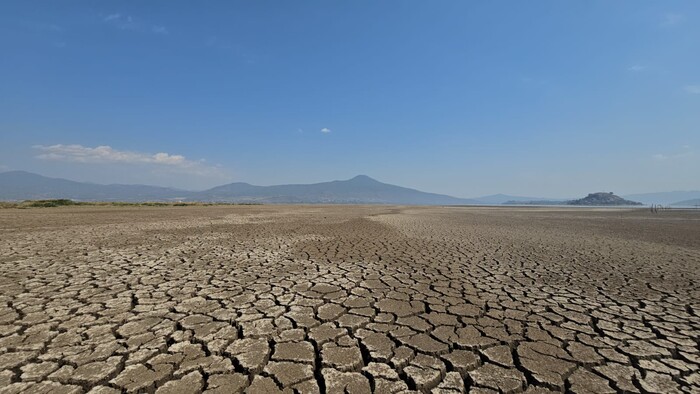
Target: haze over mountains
x,y
592,199
695,202
666,198
22,185
360,189
497,199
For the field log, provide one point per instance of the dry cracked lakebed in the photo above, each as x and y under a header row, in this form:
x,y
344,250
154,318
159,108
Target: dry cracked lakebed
x,y
348,299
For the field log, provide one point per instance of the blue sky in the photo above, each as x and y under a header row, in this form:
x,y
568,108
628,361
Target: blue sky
x,y
541,98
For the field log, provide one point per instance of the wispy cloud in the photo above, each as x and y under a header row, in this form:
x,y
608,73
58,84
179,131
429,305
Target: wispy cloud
x,y
112,17
123,22
685,153
692,89
636,68
128,22
672,19
159,29
325,130
106,154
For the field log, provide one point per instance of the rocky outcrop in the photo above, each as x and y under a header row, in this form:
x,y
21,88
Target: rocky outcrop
x,y
602,198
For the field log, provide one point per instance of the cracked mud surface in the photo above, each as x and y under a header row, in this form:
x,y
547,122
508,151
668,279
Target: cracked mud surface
x,y
348,300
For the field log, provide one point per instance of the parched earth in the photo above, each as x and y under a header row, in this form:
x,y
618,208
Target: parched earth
x,y
342,299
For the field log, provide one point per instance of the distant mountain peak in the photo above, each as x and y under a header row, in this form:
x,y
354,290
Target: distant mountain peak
x,y
362,178
20,172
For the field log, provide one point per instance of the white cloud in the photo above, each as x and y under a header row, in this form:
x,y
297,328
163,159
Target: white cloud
x,y
104,154
672,19
325,130
636,68
123,22
692,89
686,153
127,22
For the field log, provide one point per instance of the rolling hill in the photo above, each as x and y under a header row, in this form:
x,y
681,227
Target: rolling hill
x,y
687,203
497,199
664,198
602,199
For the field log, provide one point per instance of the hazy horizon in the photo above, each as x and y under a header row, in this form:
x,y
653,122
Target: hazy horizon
x,y
542,99
671,195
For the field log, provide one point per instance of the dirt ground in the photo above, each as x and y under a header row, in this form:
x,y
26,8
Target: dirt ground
x,y
348,299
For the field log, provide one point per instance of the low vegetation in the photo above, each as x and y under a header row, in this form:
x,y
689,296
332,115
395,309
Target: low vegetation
x,y
50,203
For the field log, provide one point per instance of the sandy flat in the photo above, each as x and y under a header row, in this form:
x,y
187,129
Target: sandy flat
x,y
349,299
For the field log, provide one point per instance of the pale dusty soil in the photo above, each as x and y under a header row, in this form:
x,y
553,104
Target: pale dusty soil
x,y
339,299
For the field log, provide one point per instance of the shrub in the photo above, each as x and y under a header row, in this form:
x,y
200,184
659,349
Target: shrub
x,y
49,203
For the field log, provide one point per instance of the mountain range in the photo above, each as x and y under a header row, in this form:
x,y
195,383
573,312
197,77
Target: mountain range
x,y
22,185
358,190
